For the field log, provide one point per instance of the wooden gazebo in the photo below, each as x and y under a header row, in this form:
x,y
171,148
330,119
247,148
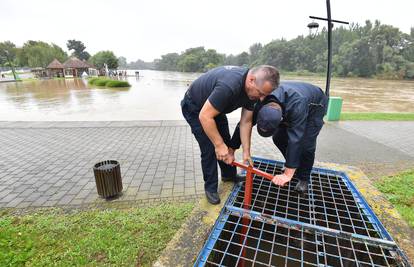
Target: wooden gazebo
x,y
55,69
74,67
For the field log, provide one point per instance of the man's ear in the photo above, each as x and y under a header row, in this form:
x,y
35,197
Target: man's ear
x,y
251,78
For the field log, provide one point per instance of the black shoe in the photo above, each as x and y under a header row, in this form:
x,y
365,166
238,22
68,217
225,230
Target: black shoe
x,y
302,186
236,179
213,197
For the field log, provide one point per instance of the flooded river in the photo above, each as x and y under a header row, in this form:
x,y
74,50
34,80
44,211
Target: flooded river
x,y
156,96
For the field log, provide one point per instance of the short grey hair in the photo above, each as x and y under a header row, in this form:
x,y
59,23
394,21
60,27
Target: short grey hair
x,y
267,73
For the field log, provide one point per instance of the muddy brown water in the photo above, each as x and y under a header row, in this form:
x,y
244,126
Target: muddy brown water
x,y
156,95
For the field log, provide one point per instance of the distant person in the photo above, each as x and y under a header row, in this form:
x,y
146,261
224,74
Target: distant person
x,y
207,100
293,116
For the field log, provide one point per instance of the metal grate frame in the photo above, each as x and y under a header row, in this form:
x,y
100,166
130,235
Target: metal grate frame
x,y
332,225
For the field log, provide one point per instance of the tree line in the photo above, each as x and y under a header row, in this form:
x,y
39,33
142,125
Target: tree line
x,y
370,50
373,49
35,54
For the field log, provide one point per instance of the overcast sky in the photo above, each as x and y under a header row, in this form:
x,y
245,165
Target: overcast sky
x,y
149,29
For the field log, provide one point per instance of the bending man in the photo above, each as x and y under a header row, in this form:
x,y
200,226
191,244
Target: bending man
x,y
211,96
293,116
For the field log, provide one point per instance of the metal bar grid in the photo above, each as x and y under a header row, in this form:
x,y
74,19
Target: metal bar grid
x,y
275,245
329,203
243,237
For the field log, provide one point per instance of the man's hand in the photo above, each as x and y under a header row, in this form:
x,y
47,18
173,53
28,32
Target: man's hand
x,y
246,122
247,158
281,179
231,151
223,154
284,178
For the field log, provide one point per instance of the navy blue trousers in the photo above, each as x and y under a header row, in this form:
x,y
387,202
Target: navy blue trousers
x,y
313,127
208,153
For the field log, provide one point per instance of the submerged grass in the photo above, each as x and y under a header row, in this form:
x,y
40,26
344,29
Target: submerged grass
x,y
133,237
107,82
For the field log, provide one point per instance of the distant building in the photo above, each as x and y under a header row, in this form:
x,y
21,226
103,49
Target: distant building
x,y
39,72
73,67
55,69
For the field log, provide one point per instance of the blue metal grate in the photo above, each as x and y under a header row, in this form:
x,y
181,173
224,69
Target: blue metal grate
x,y
332,225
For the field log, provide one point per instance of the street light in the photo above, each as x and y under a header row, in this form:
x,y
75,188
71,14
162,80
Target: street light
x,y
313,26
313,29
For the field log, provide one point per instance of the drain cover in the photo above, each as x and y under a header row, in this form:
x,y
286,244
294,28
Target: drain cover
x,y
331,225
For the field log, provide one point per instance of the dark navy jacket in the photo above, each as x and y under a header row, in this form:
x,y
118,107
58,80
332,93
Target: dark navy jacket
x,y
300,102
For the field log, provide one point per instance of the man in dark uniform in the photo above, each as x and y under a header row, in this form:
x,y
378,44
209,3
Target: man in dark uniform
x,y
293,116
208,99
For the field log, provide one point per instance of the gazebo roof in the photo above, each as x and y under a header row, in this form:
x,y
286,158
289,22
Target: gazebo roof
x,y
89,64
55,64
75,63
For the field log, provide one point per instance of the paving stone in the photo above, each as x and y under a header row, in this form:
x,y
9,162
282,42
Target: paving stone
x,y
50,163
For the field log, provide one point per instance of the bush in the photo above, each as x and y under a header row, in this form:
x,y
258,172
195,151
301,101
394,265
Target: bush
x,y
108,82
92,81
101,82
115,83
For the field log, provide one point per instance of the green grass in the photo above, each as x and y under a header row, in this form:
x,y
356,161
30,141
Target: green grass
x,y
108,82
101,82
399,190
91,81
115,83
356,116
94,238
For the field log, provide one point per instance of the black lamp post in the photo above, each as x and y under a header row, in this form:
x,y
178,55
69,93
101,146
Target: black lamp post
x,y
314,26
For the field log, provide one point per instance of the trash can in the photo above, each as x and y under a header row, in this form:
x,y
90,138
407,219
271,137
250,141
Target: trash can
x,y
108,178
334,108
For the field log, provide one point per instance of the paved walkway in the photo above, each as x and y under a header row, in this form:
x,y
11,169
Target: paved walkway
x,y
50,163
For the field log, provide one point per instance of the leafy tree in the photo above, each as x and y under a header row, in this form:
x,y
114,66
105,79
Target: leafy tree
x,y
8,55
78,49
231,60
255,50
102,57
140,64
243,59
39,54
368,50
195,59
122,62
168,62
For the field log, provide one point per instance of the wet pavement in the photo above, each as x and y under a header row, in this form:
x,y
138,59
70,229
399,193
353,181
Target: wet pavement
x,y
50,163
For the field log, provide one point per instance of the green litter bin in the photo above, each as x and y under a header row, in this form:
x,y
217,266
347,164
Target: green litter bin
x,y
334,108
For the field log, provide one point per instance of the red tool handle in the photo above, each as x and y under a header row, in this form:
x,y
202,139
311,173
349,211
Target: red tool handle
x,y
253,170
248,189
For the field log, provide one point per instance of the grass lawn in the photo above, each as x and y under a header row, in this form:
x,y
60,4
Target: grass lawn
x,y
132,237
399,190
366,116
